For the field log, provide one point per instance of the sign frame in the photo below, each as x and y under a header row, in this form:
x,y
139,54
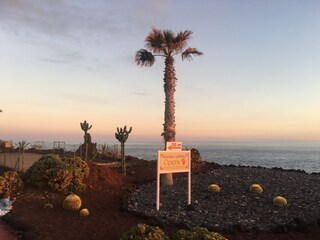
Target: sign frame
x,y
161,170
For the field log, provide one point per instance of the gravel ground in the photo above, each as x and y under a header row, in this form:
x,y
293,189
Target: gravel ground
x,y
235,208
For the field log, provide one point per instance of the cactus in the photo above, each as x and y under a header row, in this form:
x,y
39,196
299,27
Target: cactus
x,y
122,136
84,212
72,203
280,201
85,127
214,188
256,188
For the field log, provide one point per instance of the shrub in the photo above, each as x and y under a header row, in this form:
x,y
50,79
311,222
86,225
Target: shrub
x,y
214,188
256,188
144,232
63,175
196,162
72,203
43,170
197,233
10,181
280,201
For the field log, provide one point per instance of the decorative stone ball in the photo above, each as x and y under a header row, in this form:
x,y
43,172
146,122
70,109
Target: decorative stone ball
x,y
280,201
214,188
256,188
84,212
72,202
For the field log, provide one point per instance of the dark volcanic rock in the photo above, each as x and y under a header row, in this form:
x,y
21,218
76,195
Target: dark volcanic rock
x,y
235,208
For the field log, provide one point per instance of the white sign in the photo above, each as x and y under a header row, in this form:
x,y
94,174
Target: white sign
x,y
174,146
173,162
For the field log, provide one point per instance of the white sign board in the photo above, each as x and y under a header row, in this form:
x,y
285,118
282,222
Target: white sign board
x,y
174,146
173,162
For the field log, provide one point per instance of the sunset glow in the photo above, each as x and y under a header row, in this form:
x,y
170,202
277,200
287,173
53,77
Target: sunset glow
x,y
65,62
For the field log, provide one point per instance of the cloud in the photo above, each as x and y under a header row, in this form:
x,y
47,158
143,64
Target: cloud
x,y
80,18
140,93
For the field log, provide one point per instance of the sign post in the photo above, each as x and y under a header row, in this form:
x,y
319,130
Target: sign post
x,y
173,162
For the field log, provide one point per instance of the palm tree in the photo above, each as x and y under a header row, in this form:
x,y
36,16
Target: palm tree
x,y
22,147
166,44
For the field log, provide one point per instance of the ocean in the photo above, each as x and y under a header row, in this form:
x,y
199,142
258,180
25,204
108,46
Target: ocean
x,y
293,155
287,155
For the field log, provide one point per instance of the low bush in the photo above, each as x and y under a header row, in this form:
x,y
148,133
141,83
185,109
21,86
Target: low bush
x,y
10,181
62,175
144,232
197,233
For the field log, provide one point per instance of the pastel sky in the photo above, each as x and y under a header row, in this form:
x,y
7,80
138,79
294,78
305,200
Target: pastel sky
x,y
66,61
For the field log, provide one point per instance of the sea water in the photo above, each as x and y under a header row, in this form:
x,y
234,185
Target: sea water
x,y
293,155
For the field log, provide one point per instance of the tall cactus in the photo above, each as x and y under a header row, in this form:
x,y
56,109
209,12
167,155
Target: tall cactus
x,y
85,127
122,136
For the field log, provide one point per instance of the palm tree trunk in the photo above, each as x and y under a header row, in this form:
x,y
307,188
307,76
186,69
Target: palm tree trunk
x,y
169,126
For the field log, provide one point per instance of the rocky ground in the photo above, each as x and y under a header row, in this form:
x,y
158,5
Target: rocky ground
x,y
235,207
234,211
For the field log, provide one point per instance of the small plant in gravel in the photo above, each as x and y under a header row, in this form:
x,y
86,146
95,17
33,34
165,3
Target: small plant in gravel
x,y
84,212
256,188
10,181
62,175
280,201
197,233
48,206
144,232
72,203
214,188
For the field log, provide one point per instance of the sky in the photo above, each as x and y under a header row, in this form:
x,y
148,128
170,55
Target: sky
x,y
66,61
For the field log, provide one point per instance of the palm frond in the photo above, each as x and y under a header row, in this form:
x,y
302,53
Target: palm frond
x,y
189,52
144,58
155,41
181,41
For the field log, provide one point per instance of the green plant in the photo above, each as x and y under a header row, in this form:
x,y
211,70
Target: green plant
x,y
63,175
72,203
85,127
197,233
280,201
10,181
144,232
166,44
48,205
122,136
196,161
256,188
214,188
